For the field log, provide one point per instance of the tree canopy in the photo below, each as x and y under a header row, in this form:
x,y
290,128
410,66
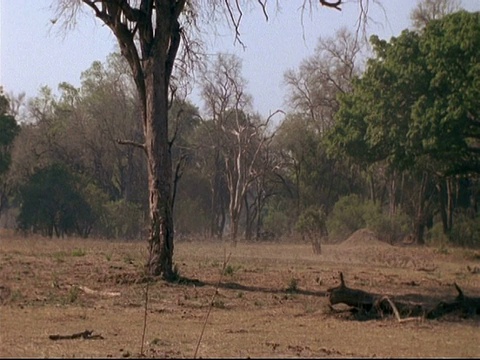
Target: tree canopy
x,y
8,130
418,101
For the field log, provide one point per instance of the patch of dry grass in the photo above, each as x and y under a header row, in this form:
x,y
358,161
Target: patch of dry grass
x,y
271,302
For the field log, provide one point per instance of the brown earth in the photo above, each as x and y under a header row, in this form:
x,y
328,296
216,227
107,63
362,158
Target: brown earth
x,y
270,301
364,237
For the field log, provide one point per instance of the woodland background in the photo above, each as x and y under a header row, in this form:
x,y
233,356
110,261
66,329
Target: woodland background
x,y
381,135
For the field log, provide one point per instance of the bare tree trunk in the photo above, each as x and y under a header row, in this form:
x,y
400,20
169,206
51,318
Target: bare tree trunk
x,y
217,220
371,183
157,69
442,205
234,222
249,217
419,224
392,194
450,203
160,240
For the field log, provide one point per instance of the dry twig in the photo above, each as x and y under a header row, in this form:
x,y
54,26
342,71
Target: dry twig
x,y
225,262
87,335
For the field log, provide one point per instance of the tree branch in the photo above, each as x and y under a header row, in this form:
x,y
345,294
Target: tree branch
x,y
335,5
132,143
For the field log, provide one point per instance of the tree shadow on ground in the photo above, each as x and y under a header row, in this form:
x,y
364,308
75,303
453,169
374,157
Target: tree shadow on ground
x,y
236,286
422,303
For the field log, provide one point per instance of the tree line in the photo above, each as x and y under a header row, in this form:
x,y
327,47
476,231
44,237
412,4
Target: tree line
x,y
386,139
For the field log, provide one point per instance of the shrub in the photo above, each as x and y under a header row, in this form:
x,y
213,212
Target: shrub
x,y
351,213
276,222
347,217
387,227
436,237
292,285
465,230
122,219
311,221
311,224
190,216
52,204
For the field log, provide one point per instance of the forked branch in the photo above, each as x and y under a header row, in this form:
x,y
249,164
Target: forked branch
x,y
332,4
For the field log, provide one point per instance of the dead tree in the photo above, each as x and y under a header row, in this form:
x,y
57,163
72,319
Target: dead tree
x,y
467,306
374,305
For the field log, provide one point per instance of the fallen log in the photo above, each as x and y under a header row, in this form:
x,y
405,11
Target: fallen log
x,y
377,305
371,304
467,306
352,297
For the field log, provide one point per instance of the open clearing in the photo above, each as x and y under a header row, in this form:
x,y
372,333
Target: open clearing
x,y
270,303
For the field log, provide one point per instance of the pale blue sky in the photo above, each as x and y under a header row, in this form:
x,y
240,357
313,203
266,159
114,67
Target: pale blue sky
x,y
32,54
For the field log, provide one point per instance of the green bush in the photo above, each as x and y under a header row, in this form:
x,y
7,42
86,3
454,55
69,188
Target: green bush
x,y
348,216
388,228
465,230
121,220
311,221
190,217
51,203
311,224
276,222
436,237
351,213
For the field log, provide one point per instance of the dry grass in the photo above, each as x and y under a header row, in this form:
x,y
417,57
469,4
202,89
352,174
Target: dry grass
x,y
271,302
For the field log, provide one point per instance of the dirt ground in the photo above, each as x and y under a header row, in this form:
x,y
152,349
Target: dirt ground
x,y
271,300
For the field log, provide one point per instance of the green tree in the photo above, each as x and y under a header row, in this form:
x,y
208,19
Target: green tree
x,y
9,129
416,106
312,225
82,128
51,203
445,117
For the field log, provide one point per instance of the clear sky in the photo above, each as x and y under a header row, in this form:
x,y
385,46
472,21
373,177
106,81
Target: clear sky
x,y
33,54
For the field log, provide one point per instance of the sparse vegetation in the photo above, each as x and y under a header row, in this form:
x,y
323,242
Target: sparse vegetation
x,y
292,285
267,302
59,256
79,252
231,269
73,294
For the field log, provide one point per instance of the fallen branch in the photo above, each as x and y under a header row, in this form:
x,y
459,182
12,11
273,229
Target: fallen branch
x,y
427,269
397,313
468,306
87,335
372,304
89,291
356,298
474,270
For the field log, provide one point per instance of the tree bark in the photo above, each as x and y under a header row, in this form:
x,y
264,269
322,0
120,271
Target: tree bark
x,y
157,73
149,37
419,221
450,203
442,204
217,221
159,171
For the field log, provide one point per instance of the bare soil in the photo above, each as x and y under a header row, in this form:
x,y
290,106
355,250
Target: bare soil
x,y
271,300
